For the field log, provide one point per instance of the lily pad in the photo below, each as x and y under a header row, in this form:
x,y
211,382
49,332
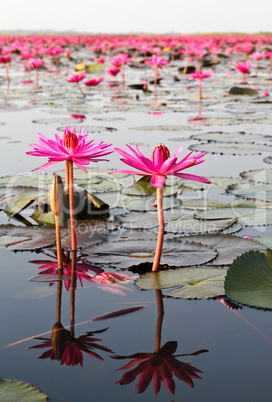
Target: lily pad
x,y
20,202
160,128
127,253
246,216
231,148
143,187
249,279
18,238
261,192
19,391
228,246
240,137
33,179
259,175
197,283
95,68
242,91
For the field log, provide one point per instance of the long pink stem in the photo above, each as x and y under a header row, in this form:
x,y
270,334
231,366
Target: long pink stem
x,y
156,77
37,79
158,251
7,74
72,207
82,93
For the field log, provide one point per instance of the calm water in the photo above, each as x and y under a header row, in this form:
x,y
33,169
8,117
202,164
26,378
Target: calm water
x,y
238,362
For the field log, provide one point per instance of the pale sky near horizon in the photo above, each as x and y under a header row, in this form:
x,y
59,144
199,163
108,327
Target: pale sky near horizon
x,y
137,16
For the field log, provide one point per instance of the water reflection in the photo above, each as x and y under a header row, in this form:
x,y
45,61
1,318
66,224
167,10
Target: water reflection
x,y
63,345
161,365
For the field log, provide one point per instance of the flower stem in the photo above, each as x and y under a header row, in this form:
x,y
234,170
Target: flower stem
x,y
158,251
7,74
58,238
156,77
71,206
37,79
82,93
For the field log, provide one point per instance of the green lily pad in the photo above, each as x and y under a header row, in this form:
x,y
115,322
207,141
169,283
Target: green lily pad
x,y
20,202
33,179
127,253
197,283
249,279
143,187
231,148
90,129
242,91
231,137
161,128
249,190
95,68
43,218
147,220
259,175
246,216
19,238
266,241
223,182
93,173
228,246
201,204
19,391
189,225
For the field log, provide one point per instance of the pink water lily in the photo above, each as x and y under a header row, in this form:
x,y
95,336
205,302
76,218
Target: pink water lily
x,y
158,167
70,146
93,82
77,78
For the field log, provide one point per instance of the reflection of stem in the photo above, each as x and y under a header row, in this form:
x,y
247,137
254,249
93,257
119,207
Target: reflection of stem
x,y
82,93
58,314
159,320
71,206
157,257
72,294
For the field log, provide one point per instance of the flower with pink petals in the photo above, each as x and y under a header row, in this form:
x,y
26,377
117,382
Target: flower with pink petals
x,y
199,76
5,59
157,61
69,147
161,164
244,67
93,82
101,60
76,77
35,63
113,71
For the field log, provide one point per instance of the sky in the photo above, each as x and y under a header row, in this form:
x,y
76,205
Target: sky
x,y
137,16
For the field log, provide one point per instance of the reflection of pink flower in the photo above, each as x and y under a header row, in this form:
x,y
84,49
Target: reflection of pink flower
x,y
158,167
35,63
74,347
69,147
93,82
161,366
76,77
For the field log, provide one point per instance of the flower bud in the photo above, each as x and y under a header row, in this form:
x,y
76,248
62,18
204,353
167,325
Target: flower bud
x,y
58,340
70,142
56,196
165,153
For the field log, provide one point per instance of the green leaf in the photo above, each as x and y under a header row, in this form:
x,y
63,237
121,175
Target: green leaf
x,y
231,137
251,190
259,176
95,68
246,216
19,391
19,238
20,202
242,91
197,283
143,187
187,224
249,279
231,148
33,179
41,217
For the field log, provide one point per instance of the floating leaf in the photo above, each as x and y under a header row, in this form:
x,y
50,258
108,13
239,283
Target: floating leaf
x,y
233,149
33,179
160,128
127,253
228,246
20,391
143,187
90,129
262,192
49,278
259,175
118,313
242,91
249,279
95,68
246,216
43,218
197,283
240,137
20,202
31,238
188,224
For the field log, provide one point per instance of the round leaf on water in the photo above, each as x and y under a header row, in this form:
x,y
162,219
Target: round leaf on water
x,y
246,216
49,278
261,192
228,246
143,187
231,148
35,292
160,128
20,202
197,283
188,224
33,179
249,279
95,68
259,175
148,220
128,253
242,91
20,391
230,137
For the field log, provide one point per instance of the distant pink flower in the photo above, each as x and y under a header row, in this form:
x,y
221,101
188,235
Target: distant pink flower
x,y
200,75
67,53
120,60
69,147
265,93
113,71
5,59
78,116
157,61
161,164
101,60
77,77
93,82
244,67
35,63
256,56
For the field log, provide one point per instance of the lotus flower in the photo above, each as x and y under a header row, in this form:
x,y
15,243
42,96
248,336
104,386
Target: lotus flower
x,y
161,164
70,146
156,62
5,60
77,78
35,64
161,366
199,76
93,82
113,71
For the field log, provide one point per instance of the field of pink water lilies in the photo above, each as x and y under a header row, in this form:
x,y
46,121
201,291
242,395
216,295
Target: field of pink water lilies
x,y
135,218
